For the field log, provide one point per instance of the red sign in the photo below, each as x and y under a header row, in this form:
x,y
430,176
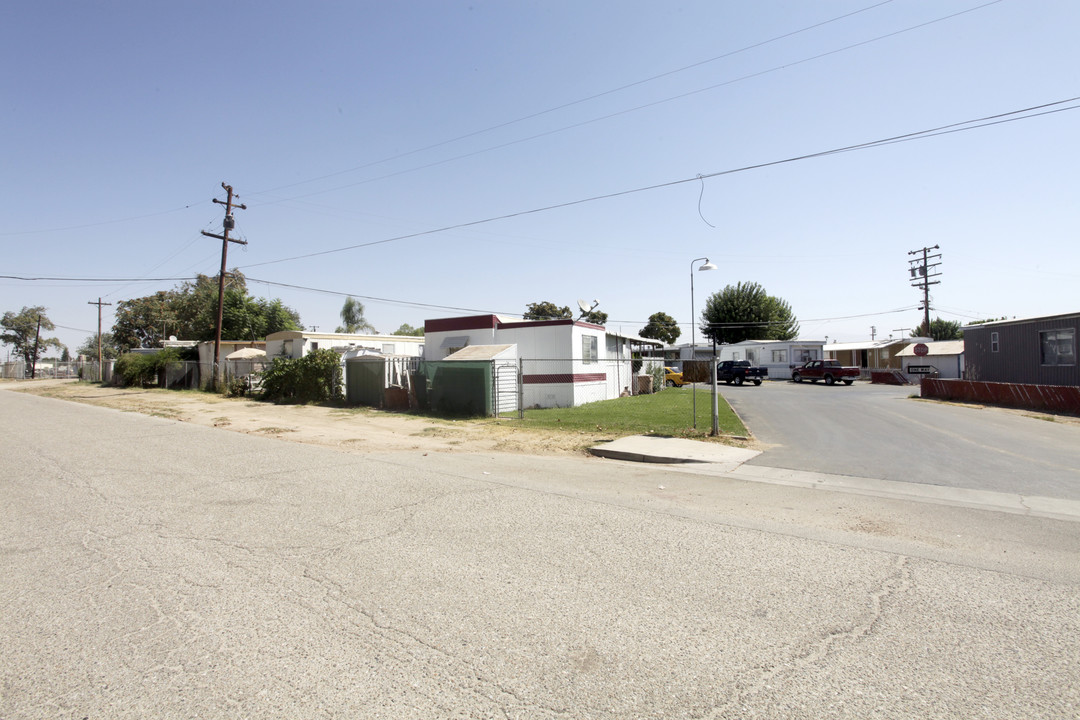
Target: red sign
x,y
921,349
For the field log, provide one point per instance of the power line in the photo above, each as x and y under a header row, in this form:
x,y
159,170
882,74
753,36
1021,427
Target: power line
x,y
74,329
563,106
483,311
554,109
908,137
98,224
626,111
370,298
104,280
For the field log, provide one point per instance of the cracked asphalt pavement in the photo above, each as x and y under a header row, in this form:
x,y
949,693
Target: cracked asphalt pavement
x,y
154,569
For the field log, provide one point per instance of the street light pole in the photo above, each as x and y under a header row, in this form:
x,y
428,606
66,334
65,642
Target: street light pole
x,y
693,323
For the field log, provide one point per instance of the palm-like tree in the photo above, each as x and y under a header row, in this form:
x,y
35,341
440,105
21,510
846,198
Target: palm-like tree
x,y
352,317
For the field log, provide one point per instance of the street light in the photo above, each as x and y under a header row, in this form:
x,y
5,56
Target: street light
x,y
693,321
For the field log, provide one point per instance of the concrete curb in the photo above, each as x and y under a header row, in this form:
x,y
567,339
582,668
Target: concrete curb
x,y
670,451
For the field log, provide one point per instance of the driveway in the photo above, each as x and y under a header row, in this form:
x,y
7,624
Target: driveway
x,y
883,432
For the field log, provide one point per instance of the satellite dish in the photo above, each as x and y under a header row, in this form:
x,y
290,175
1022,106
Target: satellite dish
x,y
172,338
585,309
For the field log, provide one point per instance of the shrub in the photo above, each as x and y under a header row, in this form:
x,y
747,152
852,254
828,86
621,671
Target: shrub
x,y
657,372
135,369
316,377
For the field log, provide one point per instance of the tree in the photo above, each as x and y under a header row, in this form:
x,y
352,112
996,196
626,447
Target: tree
x,y
108,347
21,332
141,322
596,317
547,311
352,317
940,330
409,330
189,311
661,327
746,312
277,316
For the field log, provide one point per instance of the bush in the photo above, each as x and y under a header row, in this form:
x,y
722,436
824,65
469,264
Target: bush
x,y
316,377
135,369
657,372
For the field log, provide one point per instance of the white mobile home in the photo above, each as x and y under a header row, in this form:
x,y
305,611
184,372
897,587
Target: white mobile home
x,y
562,362
779,356
297,343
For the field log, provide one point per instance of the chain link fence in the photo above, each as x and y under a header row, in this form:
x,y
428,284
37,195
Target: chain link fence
x,y
239,376
58,370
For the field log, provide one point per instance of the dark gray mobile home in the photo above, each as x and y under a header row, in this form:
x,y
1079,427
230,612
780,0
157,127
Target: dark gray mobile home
x,y
1032,351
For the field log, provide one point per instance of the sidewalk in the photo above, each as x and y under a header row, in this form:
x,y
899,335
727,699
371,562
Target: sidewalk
x,y
667,450
703,458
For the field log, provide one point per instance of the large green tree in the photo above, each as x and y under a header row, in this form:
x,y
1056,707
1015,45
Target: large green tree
x,y
661,327
940,330
746,312
89,348
547,311
189,312
352,317
21,332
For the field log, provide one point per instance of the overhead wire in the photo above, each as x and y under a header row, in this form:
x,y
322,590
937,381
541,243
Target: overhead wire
x,y
973,124
544,112
579,101
626,111
434,306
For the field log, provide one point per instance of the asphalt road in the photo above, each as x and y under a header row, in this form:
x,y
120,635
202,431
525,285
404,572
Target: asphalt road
x,y
153,569
881,432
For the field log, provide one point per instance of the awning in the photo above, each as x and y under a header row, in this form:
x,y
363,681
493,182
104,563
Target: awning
x,y
458,341
246,354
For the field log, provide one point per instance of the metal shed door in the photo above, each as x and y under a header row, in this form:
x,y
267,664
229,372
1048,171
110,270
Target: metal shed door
x,y
507,388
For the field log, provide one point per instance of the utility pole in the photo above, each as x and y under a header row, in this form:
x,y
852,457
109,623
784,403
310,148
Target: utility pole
x,y
37,336
922,269
228,224
99,359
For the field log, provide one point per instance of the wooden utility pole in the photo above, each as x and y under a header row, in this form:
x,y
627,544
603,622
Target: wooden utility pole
x,y
921,270
101,371
228,224
37,336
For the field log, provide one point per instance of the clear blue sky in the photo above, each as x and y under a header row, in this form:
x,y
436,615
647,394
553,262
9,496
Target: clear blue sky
x,y
346,123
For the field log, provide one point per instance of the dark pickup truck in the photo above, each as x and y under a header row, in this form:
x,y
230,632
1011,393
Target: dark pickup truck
x,y
739,371
828,370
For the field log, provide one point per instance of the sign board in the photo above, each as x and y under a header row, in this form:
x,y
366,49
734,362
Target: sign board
x,y
921,349
921,369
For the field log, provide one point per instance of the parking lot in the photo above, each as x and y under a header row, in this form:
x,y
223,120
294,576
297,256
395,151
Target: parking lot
x,y
886,432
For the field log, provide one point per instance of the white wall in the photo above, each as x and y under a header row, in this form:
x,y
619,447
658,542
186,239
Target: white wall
x,y
949,367
296,344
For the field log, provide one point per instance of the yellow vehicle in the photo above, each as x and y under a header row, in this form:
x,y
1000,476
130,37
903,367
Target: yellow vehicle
x,y
672,377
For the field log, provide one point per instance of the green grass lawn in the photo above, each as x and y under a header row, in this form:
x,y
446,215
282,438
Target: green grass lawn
x,y
668,412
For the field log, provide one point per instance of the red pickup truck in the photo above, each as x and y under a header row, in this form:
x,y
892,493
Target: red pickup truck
x,y
828,370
